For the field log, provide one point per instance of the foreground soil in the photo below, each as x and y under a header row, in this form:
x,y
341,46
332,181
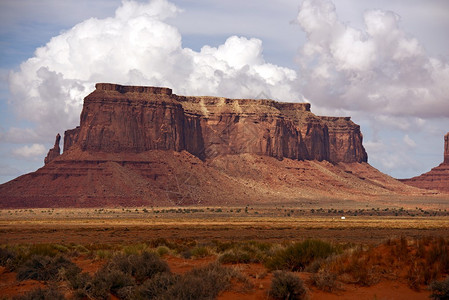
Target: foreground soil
x,y
122,226
258,276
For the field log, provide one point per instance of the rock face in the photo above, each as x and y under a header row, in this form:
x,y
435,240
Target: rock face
x,y
132,119
438,177
446,149
147,146
53,152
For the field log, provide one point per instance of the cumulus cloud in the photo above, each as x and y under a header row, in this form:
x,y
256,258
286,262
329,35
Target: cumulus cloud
x,y
30,152
136,46
380,69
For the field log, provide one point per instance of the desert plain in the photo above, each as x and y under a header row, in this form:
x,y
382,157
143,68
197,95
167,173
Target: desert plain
x,y
187,238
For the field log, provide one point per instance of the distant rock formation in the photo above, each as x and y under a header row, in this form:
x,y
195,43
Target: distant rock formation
x,y
446,149
147,146
53,152
438,177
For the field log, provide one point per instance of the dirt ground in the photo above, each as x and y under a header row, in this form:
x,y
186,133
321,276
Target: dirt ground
x,y
258,276
368,225
84,226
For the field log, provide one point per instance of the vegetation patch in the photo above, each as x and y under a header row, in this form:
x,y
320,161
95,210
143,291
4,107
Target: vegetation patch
x,y
297,256
286,285
44,268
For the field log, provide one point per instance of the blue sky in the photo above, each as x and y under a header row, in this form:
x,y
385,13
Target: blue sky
x,y
385,63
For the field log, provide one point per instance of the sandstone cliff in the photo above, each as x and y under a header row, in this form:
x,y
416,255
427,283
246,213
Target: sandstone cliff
x,y
53,152
147,146
437,178
119,118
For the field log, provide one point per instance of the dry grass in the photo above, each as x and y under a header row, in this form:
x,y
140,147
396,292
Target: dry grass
x,y
83,226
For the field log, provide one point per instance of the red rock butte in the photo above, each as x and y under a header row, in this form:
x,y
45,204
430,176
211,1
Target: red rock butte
x,y
437,178
147,146
118,118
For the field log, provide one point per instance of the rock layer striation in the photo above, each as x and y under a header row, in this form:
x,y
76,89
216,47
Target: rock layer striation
x,y
118,118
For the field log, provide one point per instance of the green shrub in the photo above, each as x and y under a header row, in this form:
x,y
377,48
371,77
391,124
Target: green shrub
x,y
286,285
46,250
103,254
440,289
247,252
42,294
77,281
134,248
324,281
162,250
235,257
44,268
119,276
222,246
200,251
107,281
187,254
141,267
297,256
203,283
157,286
8,258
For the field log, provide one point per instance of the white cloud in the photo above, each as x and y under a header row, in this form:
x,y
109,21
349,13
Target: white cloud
x,y
379,69
409,142
137,47
30,152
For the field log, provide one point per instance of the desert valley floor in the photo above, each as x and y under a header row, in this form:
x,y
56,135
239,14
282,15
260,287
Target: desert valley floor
x,y
376,229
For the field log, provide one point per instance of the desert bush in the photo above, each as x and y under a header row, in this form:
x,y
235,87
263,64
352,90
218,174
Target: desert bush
x,y
134,248
222,246
162,250
80,249
399,248
8,258
324,281
438,255
200,251
77,280
46,250
203,283
247,252
362,271
119,276
103,254
440,289
297,256
157,286
44,268
107,281
235,257
286,285
140,267
42,294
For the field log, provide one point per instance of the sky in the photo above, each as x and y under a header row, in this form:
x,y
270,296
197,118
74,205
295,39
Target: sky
x,y
385,63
